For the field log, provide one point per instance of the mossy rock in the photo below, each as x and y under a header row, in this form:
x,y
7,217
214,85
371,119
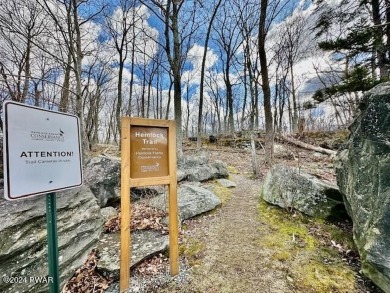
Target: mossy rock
x,y
302,254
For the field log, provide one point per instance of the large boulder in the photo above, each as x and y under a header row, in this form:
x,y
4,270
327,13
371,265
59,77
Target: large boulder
x,y
197,168
188,161
23,241
102,175
363,175
207,172
191,200
289,187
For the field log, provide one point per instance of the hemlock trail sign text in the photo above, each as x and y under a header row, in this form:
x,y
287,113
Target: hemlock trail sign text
x,y
148,157
149,152
42,155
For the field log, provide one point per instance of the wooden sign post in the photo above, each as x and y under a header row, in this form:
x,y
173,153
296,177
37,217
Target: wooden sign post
x,y
148,158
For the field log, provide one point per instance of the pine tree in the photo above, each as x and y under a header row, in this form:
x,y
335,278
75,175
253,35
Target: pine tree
x,y
356,32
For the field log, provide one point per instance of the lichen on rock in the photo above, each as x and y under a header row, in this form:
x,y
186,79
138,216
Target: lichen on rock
x,y
363,175
291,188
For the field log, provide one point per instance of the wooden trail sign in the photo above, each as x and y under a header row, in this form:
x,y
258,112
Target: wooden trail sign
x,y
148,158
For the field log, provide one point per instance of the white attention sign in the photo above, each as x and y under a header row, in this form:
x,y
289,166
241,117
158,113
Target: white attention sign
x,y
42,151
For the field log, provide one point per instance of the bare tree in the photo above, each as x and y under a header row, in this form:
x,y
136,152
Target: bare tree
x,y
67,22
248,22
178,20
202,73
268,12
269,131
214,92
294,45
119,26
228,38
21,23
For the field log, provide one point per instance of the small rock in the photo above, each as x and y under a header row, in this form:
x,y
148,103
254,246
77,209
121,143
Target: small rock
x,y
227,183
108,213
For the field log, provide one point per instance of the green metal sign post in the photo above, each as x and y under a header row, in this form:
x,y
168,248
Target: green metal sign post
x,y
52,242
45,148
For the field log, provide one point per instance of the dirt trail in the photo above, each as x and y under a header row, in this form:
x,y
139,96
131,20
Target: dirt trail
x,y
233,259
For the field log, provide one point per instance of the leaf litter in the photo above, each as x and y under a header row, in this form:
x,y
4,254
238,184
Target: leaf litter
x,y
143,217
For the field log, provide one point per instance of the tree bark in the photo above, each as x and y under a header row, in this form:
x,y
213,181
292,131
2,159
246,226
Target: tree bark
x,y
78,57
200,112
269,131
380,53
387,4
294,99
64,101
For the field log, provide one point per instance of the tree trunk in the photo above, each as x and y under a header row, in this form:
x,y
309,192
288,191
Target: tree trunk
x,y
307,146
378,42
256,97
27,70
78,60
200,112
178,118
169,100
294,99
64,101
119,99
229,91
255,165
132,68
188,114
387,3
269,131
143,93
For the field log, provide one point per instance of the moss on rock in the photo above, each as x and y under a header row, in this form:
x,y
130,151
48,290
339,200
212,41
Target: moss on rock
x,y
312,265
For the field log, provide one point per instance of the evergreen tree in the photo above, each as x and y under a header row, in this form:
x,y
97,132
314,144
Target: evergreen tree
x,y
357,32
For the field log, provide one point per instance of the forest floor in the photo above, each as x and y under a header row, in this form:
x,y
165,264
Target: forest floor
x,y
224,248
247,245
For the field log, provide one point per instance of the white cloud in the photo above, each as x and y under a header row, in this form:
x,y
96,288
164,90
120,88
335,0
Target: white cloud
x,y
140,34
195,56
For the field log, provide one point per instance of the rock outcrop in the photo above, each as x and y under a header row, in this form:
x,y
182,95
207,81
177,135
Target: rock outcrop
x,y
23,241
144,244
363,175
191,200
102,175
288,187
